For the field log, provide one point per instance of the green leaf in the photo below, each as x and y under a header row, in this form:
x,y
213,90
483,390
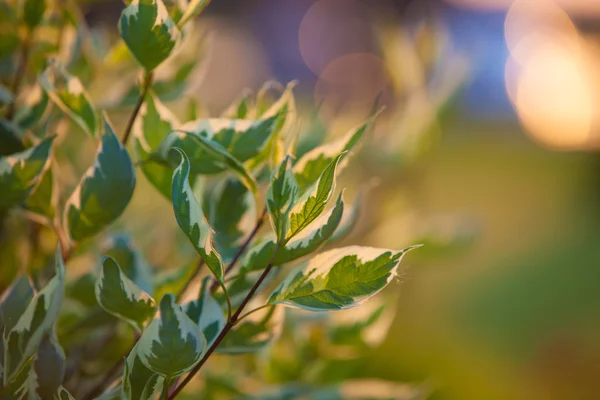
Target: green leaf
x,y
149,32
339,279
206,312
19,173
172,344
194,8
307,242
313,201
33,12
38,319
254,332
231,212
191,220
349,219
42,199
72,99
14,303
121,297
311,165
104,191
49,367
30,114
153,124
281,197
10,138
63,394
131,262
137,378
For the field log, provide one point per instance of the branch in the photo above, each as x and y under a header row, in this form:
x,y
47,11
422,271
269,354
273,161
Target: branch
x,y
143,91
230,323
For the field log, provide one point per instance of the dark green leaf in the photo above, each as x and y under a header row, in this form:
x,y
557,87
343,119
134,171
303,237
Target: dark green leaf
x,y
206,312
10,138
14,302
49,367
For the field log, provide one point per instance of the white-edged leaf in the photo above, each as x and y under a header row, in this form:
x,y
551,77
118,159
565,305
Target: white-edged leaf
x,y
338,279
172,344
194,8
14,302
149,32
281,197
72,98
307,242
121,297
19,173
104,191
63,394
131,262
206,312
190,217
312,203
137,378
38,319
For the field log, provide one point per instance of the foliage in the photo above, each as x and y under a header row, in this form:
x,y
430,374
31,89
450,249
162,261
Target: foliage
x,y
153,330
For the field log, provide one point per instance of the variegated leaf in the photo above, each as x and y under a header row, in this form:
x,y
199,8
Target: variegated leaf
x,y
281,197
137,378
131,262
206,312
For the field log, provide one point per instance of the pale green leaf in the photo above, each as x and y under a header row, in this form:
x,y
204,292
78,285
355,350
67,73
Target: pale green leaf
x,y
104,191
63,394
339,279
254,333
43,197
194,8
206,312
131,262
121,297
37,321
312,203
149,32
172,344
305,243
311,165
72,98
281,197
191,220
19,173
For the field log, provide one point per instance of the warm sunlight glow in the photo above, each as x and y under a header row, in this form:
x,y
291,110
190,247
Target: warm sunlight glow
x,y
574,7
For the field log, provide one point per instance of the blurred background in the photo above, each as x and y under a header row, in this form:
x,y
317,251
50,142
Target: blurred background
x,y
486,152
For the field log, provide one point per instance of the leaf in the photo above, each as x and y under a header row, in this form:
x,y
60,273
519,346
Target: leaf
x,y
349,219
37,321
10,138
194,8
309,241
42,199
281,197
131,262
49,367
191,220
33,12
121,297
63,394
310,166
14,302
174,280
19,173
72,99
339,279
206,313
313,201
30,114
231,212
104,191
137,378
172,344
254,333
153,124
149,32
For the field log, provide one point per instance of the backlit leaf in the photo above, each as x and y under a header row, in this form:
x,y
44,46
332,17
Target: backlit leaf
x,y
172,344
281,197
42,199
339,279
194,8
149,32
121,297
104,191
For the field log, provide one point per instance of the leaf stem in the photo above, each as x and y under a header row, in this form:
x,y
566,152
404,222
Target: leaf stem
x,y
253,311
19,74
230,324
143,91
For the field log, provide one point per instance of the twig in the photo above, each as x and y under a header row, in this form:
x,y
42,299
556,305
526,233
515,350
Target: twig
x,y
143,91
230,324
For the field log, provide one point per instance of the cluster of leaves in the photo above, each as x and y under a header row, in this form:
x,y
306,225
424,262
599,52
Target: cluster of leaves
x,y
218,173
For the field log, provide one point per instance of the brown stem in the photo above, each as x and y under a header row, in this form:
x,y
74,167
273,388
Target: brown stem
x,y
19,74
259,223
143,91
230,323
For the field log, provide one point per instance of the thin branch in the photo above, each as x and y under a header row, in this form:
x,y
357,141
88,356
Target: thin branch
x,y
143,91
230,324
253,311
19,74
